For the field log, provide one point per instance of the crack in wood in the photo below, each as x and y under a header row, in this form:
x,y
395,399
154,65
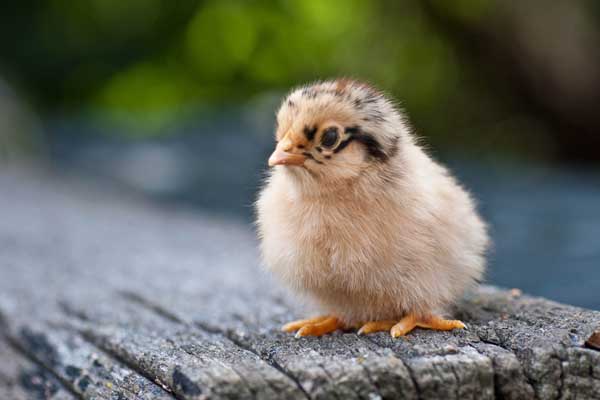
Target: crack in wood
x,y
331,380
23,378
533,382
411,373
496,384
274,364
93,340
161,312
232,367
88,338
17,347
365,368
151,306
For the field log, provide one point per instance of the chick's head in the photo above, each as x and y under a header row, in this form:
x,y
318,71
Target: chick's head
x,y
335,130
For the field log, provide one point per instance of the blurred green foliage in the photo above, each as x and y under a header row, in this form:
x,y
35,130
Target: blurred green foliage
x,y
143,56
149,63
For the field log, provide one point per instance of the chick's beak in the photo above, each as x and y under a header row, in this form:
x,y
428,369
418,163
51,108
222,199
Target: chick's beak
x,y
280,157
283,155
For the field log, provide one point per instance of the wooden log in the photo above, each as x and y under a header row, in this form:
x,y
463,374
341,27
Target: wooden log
x,y
105,296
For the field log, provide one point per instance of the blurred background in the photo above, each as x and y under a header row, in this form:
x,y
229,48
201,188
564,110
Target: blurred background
x,y
175,100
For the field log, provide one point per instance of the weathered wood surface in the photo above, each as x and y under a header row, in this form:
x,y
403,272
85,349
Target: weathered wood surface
x,y
105,296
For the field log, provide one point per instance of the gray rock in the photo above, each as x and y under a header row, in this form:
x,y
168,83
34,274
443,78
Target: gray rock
x,y
106,296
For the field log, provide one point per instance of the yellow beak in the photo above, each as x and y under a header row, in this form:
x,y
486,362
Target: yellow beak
x,y
283,155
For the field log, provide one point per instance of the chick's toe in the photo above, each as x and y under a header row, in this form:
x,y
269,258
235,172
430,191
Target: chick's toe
x,y
440,324
376,326
410,322
404,326
320,328
295,325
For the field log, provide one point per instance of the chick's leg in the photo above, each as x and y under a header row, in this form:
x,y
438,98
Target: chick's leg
x,y
314,326
411,321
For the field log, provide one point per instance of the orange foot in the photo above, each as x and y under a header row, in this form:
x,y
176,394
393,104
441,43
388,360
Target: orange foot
x,y
409,323
318,326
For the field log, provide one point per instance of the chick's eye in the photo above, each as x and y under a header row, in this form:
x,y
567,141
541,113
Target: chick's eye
x,y
330,137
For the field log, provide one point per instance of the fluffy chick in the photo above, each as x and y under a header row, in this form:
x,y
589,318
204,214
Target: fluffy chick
x,y
358,218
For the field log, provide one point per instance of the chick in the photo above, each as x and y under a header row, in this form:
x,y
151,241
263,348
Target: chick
x,y
356,217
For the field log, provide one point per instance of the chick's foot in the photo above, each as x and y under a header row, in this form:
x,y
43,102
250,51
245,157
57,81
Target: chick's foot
x,y
410,322
318,326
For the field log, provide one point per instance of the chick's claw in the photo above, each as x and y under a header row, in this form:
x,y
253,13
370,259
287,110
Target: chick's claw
x,y
318,326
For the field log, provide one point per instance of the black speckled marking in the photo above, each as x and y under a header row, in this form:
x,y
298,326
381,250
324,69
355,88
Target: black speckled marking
x,y
373,146
309,92
377,116
371,98
393,148
308,155
310,132
352,130
343,144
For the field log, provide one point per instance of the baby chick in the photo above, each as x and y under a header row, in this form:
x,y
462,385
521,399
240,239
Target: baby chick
x,y
358,218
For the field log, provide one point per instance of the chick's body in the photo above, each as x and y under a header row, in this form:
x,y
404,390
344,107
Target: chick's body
x,y
374,230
